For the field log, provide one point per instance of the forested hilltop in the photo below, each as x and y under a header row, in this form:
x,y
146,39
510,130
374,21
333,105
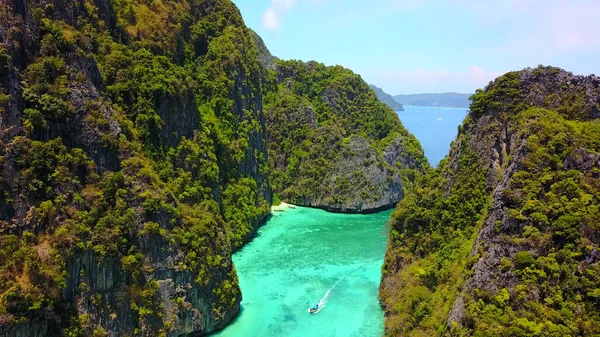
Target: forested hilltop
x,y
333,144
133,156
501,239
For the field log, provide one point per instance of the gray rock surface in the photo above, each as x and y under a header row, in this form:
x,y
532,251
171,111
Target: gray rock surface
x,y
502,147
361,181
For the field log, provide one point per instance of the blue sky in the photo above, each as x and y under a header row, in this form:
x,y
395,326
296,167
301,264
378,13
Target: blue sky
x,y
414,46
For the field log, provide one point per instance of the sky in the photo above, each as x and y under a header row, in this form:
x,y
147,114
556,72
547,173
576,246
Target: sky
x,y
418,46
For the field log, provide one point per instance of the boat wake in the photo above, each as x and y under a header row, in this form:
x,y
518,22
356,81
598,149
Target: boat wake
x,y
323,301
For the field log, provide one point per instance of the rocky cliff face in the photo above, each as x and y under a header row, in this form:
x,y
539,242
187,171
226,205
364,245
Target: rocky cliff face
x,y
360,179
333,144
133,157
501,240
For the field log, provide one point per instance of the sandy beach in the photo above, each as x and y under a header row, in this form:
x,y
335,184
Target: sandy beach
x,y
281,207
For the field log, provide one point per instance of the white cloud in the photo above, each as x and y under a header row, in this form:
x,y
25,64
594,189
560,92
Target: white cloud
x,y
270,19
272,15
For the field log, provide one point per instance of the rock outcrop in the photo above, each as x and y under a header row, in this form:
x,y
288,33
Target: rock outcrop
x,y
333,144
360,183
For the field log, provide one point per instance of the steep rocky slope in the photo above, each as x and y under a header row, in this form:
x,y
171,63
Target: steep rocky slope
x,y
386,98
133,158
333,144
502,238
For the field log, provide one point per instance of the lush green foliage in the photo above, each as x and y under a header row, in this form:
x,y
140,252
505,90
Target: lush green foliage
x,y
174,105
334,92
541,87
541,256
503,95
312,119
431,233
556,207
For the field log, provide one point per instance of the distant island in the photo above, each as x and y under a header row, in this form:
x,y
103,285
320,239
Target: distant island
x,y
387,98
447,100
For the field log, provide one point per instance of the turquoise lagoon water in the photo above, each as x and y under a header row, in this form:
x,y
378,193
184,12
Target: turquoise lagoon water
x,y
298,256
434,127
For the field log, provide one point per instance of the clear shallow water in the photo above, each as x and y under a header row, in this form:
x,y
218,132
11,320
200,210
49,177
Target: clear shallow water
x,y
296,258
434,127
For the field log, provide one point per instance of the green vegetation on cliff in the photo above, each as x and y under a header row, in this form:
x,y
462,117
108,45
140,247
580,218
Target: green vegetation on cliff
x,y
333,144
502,238
134,161
550,286
431,233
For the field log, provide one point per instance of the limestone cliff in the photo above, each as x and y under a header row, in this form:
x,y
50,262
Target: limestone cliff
x,y
133,158
333,144
502,238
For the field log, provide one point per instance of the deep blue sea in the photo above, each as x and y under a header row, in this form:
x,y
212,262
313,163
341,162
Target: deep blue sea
x,y
434,127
